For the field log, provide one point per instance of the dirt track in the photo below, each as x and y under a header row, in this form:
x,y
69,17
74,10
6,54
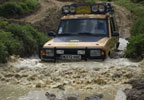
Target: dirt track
x,y
124,19
43,11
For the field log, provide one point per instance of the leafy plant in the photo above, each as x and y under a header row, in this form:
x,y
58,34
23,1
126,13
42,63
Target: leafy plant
x,y
135,48
23,40
136,1
10,8
3,53
13,8
138,26
31,39
13,46
8,45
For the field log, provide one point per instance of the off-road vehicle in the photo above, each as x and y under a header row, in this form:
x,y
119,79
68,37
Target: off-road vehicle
x,y
86,31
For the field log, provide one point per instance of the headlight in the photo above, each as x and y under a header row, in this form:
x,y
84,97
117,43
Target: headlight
x,y
72,9
81,52
43,52
95,53
95,8
66,9
101,8
50,53
60,51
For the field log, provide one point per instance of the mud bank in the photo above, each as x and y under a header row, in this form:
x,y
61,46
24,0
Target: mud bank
x,y
137,91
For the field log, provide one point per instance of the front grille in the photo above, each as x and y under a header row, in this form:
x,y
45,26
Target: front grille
x,y
70,51
73,51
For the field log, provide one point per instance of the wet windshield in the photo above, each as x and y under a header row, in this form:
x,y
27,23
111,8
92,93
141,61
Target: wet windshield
x,y
83,27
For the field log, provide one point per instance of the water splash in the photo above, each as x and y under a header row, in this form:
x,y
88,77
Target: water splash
x,y
102,77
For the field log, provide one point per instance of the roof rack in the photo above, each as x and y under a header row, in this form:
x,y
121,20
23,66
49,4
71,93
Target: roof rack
x,y
88,8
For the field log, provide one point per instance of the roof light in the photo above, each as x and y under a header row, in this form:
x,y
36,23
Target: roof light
x,y
66,9
101,8
95,8
72,9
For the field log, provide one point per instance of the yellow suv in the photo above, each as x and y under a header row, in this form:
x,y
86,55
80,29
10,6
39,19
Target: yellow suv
x,y
86,31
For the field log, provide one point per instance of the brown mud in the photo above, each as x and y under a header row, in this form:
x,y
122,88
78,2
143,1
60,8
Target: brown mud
x,y
137,91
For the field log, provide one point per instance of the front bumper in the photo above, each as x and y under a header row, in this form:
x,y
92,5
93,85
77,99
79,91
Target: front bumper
x,y
72,51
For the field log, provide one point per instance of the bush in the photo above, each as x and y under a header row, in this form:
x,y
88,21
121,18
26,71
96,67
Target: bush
x,y
23,40
31,4
136,1
13,46
135,48
31,39
10,8
8,45
138,26
3,53
18,8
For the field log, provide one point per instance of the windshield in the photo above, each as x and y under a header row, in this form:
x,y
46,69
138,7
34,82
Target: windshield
x,y
83,27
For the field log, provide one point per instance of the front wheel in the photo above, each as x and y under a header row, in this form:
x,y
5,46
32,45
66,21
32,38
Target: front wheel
x,y
117,45
111,54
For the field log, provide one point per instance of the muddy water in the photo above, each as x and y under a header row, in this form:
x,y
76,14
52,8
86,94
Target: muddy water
x,y
30,79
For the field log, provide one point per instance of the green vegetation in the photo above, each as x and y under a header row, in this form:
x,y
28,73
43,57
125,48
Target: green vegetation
x,y
136,1
135,8
19,8
23,40
8,45
135,48
3,53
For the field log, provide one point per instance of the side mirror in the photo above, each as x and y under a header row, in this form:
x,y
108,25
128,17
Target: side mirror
x,y
115,34
52,34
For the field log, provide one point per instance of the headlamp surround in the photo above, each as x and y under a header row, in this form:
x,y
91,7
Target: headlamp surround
x,y
81,52
66,9
101,8
60,51
95,8
95,52
72,9
50,52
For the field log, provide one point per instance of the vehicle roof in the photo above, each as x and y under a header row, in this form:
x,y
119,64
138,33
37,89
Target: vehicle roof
x,y
81,16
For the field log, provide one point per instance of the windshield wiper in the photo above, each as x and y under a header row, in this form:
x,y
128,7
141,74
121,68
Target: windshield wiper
x,y
65,34
85,33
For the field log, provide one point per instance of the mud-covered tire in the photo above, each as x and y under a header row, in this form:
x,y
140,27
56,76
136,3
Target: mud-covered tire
x,y
110,55
117,45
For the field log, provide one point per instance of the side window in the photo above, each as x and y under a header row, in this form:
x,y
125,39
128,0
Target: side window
x,y
113,27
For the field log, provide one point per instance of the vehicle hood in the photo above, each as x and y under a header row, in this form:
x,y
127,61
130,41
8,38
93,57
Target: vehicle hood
x,y
77,39
77,42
